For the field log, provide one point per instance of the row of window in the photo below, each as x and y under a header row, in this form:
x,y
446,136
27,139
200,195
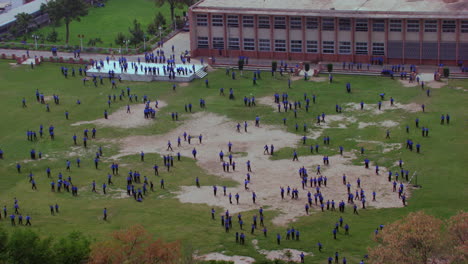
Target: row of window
x,y
280,45
328,24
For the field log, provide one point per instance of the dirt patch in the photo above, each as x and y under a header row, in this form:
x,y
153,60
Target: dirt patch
x,y
183,84
294,255
436,84
461,88
374,110
122,119
221,257
14,65
386,124
407,83
318,79
267,176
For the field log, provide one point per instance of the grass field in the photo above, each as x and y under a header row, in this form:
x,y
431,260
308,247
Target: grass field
x,y
441,166
117,16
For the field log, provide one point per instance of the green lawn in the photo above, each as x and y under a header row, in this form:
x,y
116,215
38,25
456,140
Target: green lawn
x,y
441,167
117,16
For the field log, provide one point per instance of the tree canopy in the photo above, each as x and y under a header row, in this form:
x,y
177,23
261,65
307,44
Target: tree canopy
x,y
66,10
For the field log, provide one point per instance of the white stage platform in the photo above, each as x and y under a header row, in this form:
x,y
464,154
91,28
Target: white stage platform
x,y
131,74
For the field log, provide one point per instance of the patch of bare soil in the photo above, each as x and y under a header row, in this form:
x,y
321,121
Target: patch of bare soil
x,y
221,257
374,109
287,254
267,176
386,124
184,84
122,119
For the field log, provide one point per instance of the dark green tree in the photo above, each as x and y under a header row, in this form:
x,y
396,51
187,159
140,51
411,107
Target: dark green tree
x,y
136,33
240,64
25,246
173,4
74,248
23,21
68,10
119,39
159,21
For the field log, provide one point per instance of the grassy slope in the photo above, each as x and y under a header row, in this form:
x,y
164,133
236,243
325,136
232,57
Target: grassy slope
x,y
117,16
441,167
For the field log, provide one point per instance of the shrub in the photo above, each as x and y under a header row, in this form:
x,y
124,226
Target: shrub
x,y
330,67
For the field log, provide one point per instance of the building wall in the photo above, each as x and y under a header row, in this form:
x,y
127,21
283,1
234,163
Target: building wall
x,y
402,40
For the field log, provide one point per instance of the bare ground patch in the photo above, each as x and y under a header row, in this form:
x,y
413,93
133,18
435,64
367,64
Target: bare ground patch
x,y
122,119
267,176
221,257
374,109
386,124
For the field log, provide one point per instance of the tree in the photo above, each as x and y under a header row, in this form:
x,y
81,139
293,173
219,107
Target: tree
x,y
68,10
458,238
415,239
173,4
25,246
159,21
72,249
136,33
23,20
120,38
330,67
134,245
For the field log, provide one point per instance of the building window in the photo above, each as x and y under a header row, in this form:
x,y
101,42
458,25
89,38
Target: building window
x,y
280,22
464,26
280,45
328,24
449,26
248,21
378,49
217,20
202,42
295,22
202,20
296,46
361,48
312,23
395,25
362,25
328,47
233,21
249,44
233,44
264,45
263,22
430,26
378,25
344,24
412,26
218,43
312,46
344,47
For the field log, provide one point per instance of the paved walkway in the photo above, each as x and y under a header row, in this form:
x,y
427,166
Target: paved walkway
x,y
181,42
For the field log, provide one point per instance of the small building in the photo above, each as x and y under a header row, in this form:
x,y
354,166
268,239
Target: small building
x,y
388,31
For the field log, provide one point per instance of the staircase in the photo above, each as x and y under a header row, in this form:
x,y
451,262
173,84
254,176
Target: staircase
x,y
200,74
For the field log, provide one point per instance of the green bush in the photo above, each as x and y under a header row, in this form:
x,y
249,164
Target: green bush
x,y
330,67
306,67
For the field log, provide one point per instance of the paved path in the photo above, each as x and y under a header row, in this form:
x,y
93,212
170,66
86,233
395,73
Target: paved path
x,y
181,42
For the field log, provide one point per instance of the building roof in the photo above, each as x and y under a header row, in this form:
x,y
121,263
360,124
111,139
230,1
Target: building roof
x,y
29,8
350,8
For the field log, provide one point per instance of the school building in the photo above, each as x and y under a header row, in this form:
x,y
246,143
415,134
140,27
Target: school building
x,y
392,31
